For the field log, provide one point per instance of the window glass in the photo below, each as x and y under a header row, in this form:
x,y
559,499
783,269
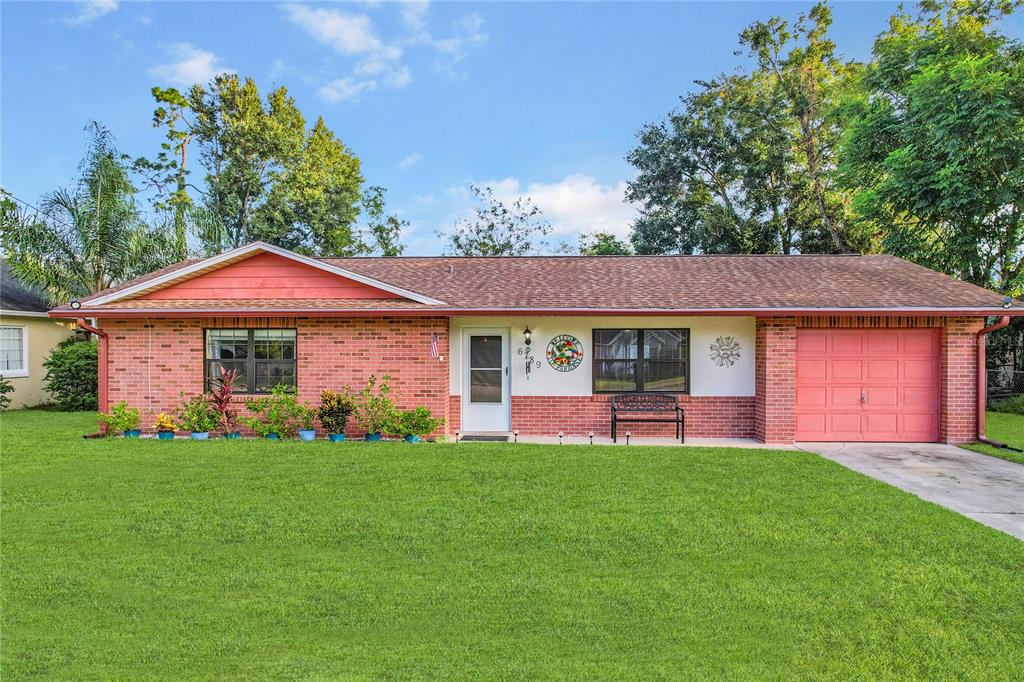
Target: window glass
x,y
485,351
637,360
615,376
263,358
485,385
12,348
663,344
227,344
615,344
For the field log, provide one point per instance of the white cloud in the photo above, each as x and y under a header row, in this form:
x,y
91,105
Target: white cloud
x,y
346,33
89,10
345,89
410,161
189,65
576,204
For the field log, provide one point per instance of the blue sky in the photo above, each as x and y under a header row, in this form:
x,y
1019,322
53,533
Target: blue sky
x,y
537,99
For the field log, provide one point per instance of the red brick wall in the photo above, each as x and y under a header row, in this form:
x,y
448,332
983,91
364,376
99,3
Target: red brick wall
x,y
960,379
706,417
151,362
775,379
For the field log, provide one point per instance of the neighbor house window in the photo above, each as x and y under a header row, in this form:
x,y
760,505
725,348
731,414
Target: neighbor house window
x,y
13,352
641,360
263,358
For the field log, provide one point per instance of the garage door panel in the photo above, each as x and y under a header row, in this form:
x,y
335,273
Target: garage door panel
x,y
897,369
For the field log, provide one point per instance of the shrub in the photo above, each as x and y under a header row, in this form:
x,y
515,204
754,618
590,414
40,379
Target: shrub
x,y
418,422
1014,405
164,422
280,413
222,397
377,412
5,388
121,418
197,414
71,375
335,409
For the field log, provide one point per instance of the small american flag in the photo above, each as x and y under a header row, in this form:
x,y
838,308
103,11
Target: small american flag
x,y
433,345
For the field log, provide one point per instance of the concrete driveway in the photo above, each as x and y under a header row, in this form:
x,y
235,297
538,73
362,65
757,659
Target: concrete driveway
x,y
986,489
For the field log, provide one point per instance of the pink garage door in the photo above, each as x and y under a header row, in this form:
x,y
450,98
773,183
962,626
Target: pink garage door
x,y
867,385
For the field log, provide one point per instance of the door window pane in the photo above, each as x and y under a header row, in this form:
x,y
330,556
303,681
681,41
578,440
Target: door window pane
x,y
485,351
485,385
12,348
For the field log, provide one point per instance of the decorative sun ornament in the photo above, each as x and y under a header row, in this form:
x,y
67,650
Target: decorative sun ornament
x,y
725,351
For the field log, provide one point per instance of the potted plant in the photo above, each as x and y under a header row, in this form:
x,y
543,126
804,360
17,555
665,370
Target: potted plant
x,y
222,396
198,416
417,423
305,416
164,426
275,416
377,413
123,419
334,410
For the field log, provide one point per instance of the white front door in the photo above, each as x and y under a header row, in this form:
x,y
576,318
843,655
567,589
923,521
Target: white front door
x,y
485,380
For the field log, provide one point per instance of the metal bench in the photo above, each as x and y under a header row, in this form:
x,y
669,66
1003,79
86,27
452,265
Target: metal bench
x,y
641,407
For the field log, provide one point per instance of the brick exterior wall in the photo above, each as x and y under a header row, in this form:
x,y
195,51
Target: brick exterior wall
x,y
706,417
959,422
151,362
775,380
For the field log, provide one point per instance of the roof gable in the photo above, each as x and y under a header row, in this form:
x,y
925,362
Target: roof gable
x,y
260,271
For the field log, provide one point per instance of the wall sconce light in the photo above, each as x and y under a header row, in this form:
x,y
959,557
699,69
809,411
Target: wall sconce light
x,y
76,304
528,335
590,435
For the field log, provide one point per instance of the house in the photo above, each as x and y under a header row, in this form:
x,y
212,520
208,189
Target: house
x,y
778,348
27,336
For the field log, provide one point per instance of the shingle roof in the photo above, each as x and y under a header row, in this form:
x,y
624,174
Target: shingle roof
x,y
15,296
631,283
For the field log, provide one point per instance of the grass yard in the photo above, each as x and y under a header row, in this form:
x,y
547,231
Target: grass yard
x,y
1005,428
262,560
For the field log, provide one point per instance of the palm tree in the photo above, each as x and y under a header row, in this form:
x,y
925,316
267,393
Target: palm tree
x,y
88,238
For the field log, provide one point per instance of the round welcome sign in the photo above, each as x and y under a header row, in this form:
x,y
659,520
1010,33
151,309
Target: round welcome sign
x,y
565,353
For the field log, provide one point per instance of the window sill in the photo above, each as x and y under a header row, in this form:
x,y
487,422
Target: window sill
x,y
13,374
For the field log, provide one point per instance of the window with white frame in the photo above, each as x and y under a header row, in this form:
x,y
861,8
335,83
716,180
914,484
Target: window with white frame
x,y
13,351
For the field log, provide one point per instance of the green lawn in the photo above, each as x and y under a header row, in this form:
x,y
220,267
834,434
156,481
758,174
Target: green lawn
x,y
1005,428
261,560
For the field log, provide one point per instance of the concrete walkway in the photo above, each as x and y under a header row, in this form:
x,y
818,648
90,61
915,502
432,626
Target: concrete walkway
x,y
987,489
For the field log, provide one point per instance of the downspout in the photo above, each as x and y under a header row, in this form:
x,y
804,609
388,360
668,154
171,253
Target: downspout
x,y
983,383
101,388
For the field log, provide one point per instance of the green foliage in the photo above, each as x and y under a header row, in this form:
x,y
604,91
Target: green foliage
x,y
198,414
121,418
71,375
1014,405
164,422
280,413
376,412
222,398
87,238
384,230
935,143
498,230
603,244
5,387
335,409
747,164
418,422
270,178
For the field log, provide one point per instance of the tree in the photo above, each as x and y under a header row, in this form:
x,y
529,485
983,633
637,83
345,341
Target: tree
x,y
267,176
747,164
168,172
88,238
935,145
603,244
498,230
383,230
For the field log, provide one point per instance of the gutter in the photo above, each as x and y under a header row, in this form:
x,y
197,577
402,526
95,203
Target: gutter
x,y
102,361
983,384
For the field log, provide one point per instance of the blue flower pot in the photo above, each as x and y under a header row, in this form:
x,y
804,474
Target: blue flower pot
x,y
165,435
307,434
412,439
233,435
273,436
200,435
132,433
336,437
373,437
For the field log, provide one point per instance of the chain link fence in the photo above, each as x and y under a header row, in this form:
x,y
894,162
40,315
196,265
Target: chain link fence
x,y
1004,382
